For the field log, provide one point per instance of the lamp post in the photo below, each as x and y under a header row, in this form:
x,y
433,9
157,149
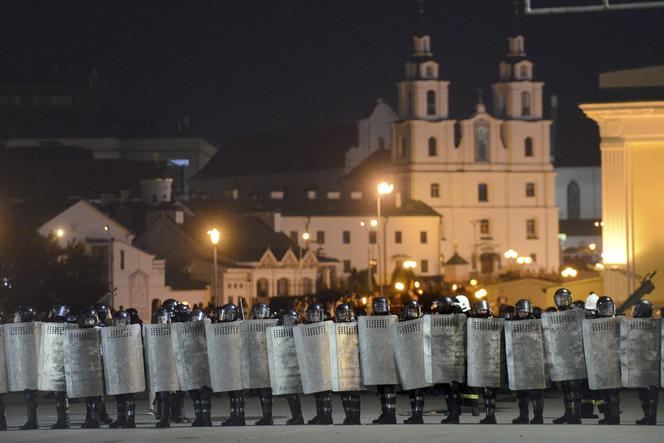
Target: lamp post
x,y
109,259
372,224
215,236
383,188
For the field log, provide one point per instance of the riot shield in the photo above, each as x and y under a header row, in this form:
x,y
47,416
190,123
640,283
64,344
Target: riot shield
x,y
3,368
376,354
160,365
485,352
191,355
223,345
563,342
601,344
282,358
345,358
122,349
408,345
445,348
84,375
313,356
51,376
640,353
526,361
21,350
255,367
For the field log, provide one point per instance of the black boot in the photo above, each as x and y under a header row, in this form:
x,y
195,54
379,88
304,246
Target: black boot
x,y
388,404
266,407
416,397
346,402
130,412
30,397
490,407
574,407
93,408
103,415
178,407
453,401
122,413
611,408
196,401
206,406
163,400
356,408
649,400
326,409
3,417
295,409
537,398
62,411
319,409
523,398
237,409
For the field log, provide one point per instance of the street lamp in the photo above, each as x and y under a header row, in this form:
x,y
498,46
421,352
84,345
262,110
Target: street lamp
x,y
409,264
383,188
511,253
60,233
215,236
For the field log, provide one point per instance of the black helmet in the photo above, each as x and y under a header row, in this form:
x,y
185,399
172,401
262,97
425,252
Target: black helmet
x,y
344,313
181,312
381,306
226,313
412,310
445,305
524,308
59,313
507,312
103,312
89,318
260,311
290,318
483,309
537,312
605,307
161,316
134,317
169,305
25,314
72,319
121,318
579,304
551,309
643,309
562,298
315,313
197,315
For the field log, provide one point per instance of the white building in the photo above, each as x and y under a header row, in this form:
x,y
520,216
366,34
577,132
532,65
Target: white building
x,y
373,133
490,177
579,197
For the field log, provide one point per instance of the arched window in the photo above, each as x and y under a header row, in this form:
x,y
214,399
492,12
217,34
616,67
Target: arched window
x,y
263,288
523,72
528,147
433,147
483,192
525,103
573,201
307,286
481,128
431,102
435,190
428,72
283,286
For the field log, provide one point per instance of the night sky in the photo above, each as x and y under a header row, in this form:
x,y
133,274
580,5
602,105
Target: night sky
x,y
251,65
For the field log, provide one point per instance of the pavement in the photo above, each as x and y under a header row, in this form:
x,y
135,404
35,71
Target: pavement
x,y
432,431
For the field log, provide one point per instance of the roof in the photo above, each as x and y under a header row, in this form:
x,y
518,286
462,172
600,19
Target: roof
x,y
456,259
157,171
377,164
644,83
282,150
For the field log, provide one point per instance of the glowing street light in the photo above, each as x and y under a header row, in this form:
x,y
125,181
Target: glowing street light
x,y
215,236
511,253
399,286
569,272
364,300
306,236
374,223
60,233
524,260
409,264
592,246
416,284
454,287
385,188
481,293
473,282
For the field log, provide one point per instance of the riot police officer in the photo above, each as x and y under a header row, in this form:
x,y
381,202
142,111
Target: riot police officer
x,y
388,399
524,311
179,314
572,389
163,398
607,309
452,391
134,318
89,319
316,314
351,399
261,311
412,311
27,314
230,313
483,310
59,314
126,406
292,318
105,319
590,399
169,306
201,398
649,395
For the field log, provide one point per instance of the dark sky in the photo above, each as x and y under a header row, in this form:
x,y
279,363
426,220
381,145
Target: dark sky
x,y
250,65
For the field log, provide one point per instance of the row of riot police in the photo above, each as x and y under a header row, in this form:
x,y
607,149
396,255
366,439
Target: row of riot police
x,y
586,352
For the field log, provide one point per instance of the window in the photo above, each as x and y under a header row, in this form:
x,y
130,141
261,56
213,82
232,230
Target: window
x,y
525,103
531,228
293,236
435,190
346,266
433,147
424,266
397,237
528,147
485,227
523,72
481,128
573,201
122,259
345,237
372,237
423,237
530,189
431,102
428,72
483,192
320,237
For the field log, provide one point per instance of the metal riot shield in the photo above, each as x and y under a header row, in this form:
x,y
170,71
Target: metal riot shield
x,y
3,368
445,348
485,352
563,342
408,346
526,361
255,367
122,349
84,375
376,354
21,356
191,355
601,344
640,353
223,345
345,358
282,357
313,356
160,366
51,376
